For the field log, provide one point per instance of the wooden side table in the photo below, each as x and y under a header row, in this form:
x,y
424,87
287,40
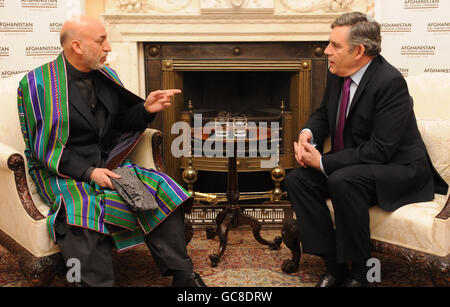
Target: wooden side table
x,y
233,216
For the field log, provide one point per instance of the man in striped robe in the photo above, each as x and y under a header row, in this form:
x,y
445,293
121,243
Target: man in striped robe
x,y
76,119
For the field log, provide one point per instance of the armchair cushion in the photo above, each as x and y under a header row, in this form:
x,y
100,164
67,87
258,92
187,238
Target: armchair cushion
x,y
415,226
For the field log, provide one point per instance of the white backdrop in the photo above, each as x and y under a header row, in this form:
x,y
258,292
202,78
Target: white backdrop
x,y
416,40
416,34
29,32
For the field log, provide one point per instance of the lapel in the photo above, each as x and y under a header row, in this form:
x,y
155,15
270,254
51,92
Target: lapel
x,y
78,103
103,92
104,95
364,81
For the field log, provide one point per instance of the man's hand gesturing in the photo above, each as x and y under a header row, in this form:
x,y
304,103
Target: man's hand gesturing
x,y
159,100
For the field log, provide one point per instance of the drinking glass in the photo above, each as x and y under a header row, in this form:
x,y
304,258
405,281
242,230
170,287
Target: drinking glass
x,y
221,124
240,126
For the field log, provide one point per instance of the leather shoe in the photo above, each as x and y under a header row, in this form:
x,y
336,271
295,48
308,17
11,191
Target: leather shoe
x,y
327,281
355,283
193,280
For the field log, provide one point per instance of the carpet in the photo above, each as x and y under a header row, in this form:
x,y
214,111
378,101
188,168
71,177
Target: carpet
x,y
245,263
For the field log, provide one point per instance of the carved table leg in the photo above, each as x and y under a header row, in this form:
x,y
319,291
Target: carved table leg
x,y
292,241
223,237
245,219
210,233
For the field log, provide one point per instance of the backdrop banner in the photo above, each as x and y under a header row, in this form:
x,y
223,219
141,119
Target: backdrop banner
x,y
29,32
415,34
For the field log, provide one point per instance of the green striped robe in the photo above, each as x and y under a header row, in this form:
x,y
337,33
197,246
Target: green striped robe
x,y
44,119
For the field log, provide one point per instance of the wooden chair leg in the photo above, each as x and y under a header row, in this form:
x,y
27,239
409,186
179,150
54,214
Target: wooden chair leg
x,y
40,271
440,276
290,237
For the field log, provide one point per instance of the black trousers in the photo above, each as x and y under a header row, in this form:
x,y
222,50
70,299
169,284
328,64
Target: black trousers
x,y
352,192
94,250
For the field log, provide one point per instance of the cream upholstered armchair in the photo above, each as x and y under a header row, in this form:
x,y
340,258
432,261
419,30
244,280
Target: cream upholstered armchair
x,y
23,230
418,233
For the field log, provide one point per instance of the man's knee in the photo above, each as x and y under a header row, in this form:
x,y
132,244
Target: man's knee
x,y
297,177
338,181
291,178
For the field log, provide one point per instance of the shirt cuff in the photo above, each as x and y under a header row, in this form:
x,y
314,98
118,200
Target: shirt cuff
x,y
321,168
87,174
312,136
148,117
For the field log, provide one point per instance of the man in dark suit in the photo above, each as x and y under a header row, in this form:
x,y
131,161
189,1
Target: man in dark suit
x,y
377,157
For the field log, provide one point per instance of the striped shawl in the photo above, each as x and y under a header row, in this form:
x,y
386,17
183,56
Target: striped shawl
x,y
44,119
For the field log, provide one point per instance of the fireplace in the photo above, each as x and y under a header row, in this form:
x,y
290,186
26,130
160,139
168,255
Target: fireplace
x,y
264,58
266,82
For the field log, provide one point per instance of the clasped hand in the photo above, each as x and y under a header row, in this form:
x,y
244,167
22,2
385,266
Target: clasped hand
x,y
306,154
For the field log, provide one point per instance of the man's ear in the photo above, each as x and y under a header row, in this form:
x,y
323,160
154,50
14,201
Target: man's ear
x,y
360,51
76,47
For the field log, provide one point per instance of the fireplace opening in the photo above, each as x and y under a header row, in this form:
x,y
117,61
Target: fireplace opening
x,y
263,82
251,93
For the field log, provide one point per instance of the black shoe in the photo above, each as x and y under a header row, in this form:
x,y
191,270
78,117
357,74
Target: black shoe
x,y
193,280
355,283
357,276
327,281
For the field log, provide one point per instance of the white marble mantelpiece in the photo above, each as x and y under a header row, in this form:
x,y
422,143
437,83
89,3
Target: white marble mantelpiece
x,y
131,22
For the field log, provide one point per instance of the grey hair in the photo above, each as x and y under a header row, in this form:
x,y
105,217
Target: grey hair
x,y
364,30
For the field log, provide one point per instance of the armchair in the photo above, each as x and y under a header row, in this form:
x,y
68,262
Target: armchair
x,y
23,230
418,233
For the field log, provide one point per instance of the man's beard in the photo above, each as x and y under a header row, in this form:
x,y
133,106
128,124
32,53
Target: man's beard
x,y
94,63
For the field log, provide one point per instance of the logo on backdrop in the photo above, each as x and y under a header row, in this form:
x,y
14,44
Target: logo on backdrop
x,y
55,26
404,71
4,51
438,27
426,50
437,70
42,50
9,73
40,4
397,27
421,4
2,3
16,27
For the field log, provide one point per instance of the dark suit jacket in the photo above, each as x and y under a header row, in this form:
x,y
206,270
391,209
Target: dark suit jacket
x,y
89,146
380,130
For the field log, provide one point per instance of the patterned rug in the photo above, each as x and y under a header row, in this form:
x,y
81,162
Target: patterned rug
x,y
245,263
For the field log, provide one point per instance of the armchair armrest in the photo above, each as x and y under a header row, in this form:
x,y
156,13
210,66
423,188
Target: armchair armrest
x,y
5,152
148,152
445,212
10,159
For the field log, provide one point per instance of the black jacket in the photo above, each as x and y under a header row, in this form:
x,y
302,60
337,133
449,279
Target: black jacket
x,y
88,146
380,130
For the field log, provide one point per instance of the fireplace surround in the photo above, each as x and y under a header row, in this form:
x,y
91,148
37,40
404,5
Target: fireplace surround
x,y
277,44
